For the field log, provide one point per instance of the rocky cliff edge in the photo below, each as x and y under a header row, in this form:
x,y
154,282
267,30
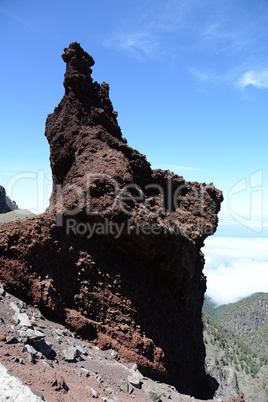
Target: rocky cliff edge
x,y
117,256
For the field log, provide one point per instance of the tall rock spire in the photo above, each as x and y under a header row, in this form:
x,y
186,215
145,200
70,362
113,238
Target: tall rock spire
x,y
123,266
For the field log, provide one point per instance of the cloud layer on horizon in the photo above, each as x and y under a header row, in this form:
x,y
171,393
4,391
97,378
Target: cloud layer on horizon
x,y
235,267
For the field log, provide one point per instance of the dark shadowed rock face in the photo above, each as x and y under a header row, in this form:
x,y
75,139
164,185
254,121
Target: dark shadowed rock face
x,y
117,256
6,205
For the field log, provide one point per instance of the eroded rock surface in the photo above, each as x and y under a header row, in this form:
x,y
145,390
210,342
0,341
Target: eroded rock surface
x,y
6,205
117,257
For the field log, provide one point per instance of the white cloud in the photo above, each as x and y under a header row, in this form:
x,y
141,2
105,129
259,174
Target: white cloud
x,y
178,27
138,43
17,18
207,76
143,35
258,79
235,267
232,77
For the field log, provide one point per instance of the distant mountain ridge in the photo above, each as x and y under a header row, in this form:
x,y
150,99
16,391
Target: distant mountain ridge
x,y
247,318
236,336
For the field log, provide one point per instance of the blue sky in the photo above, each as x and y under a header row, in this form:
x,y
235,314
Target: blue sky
x,y
189,79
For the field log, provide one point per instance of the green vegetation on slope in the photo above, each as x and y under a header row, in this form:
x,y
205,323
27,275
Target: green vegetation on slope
x,y
240,330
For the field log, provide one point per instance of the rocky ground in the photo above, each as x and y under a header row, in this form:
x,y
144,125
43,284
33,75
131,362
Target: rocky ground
x,y
57,366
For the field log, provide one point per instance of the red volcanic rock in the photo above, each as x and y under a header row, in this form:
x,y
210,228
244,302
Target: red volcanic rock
x,y
117,257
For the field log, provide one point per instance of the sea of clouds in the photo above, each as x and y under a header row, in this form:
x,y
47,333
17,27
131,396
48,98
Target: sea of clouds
x,y
235,267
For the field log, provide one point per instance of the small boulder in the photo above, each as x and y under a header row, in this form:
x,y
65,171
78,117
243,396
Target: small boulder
x,y
59,383
2,290
48,364
30,358
135,379
85,371
23,320
14,307
126,387
94,393
11,340
115,355
34,335
43,347
71,354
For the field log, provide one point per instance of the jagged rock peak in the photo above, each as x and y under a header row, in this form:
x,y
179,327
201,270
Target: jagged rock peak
x,y
78,80
95,107
77,58
78,72
6,205
85,111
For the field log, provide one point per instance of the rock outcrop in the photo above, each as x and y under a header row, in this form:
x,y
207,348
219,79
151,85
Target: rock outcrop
x,y
227,380
117,256
6,205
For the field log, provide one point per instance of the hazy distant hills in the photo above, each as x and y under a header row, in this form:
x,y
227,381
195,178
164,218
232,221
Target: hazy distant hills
x,y
236,335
